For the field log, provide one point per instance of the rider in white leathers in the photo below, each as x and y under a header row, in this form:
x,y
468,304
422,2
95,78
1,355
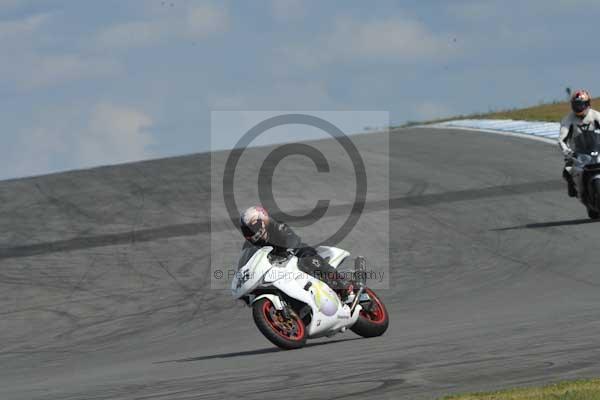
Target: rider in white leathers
x,y
581,118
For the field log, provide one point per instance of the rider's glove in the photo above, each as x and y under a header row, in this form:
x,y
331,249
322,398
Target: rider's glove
x,y
568,153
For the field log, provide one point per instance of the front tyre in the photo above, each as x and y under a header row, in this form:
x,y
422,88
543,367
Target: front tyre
x,y
286,333
593,214
373,319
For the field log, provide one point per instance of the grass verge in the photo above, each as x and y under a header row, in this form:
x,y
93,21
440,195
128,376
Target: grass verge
x,y
551,112
572,390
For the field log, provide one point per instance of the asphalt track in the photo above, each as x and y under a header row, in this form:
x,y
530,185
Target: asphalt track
x,y
495,282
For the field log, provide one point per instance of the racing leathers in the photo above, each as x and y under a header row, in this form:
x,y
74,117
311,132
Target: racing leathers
x,y
570,127
282,238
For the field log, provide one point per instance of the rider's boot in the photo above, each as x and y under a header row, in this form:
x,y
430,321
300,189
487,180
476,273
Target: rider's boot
x,y
571,189
344,289
359,279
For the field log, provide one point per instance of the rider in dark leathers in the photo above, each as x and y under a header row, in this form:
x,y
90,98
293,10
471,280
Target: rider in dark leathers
x,y
260,230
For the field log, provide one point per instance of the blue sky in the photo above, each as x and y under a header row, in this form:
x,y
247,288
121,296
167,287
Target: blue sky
x,y
86,83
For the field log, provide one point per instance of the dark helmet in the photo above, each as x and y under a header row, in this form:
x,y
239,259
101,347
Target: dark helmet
x,y
253,223
581,101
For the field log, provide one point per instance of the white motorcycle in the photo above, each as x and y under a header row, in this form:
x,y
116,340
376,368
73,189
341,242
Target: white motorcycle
x,y
290,306
585,170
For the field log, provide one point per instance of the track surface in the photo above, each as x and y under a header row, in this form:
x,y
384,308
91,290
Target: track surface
x,y
104,284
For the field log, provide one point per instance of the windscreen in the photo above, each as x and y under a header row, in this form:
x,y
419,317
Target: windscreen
x,y
247,253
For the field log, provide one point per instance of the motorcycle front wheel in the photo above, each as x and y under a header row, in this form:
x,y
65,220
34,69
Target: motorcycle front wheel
x,y
593,214
373,319
287,333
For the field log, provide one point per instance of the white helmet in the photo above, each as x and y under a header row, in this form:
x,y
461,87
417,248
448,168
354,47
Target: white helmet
x,y
253,223
581,102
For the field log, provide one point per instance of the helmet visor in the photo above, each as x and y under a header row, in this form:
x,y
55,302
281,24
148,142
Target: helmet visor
x,y
254,231
579,106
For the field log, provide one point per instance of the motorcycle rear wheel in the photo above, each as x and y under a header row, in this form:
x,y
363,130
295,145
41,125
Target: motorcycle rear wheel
x,y
286,333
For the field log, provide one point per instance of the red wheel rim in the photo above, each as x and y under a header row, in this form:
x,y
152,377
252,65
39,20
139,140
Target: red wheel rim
x,y
376,314
290,329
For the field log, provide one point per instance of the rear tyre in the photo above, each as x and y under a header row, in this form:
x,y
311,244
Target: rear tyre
x,y
286,333
373,319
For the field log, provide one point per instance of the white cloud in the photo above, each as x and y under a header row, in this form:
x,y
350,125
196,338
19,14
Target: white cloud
x,y
235,101
197,22
287,10
19,27
490,10
8,4
42,71
474,10
35,153
306,95
206,20
115,135
28,67
401,40
134,34
79,137
391,38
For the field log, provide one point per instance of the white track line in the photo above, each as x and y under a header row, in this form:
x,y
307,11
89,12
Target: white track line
x,y
553,141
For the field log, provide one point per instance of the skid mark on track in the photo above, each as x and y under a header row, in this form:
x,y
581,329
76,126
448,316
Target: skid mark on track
x,y
192,229
551,224
124,238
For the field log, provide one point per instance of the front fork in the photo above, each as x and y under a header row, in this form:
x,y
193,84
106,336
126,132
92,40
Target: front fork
x,y
360,273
